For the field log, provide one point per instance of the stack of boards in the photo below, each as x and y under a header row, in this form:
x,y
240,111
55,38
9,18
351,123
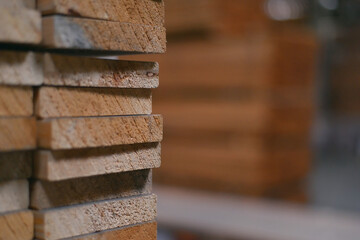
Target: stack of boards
x,y
238,108
78,138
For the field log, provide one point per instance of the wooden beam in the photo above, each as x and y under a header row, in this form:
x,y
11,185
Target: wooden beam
x,y
14,195
20,25
17,225
67,164
16,101
17,133
89,34
20,164
79,102
68,133
93,217
147,12
63,70
47,194
20,68
146,231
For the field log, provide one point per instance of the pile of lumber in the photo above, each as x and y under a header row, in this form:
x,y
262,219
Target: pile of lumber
x,y
80,128
238,108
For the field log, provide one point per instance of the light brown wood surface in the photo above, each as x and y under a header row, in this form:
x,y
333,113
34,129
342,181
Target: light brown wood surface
x,y
243,117
18,3
15,165
147,12
20,25
17,225
20,68
14,195
93,217
67,164
64,70
16,101
146,231
17,133
81,102
47,194
182,16
90,34
68,133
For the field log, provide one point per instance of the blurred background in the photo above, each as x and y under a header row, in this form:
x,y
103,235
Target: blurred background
x,y
261,103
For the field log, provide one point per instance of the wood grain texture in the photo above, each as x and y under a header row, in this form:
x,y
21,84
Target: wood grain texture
x,y
17,133
68,133
20,164
62,70
147,12
82,102
146,231
14,195
67,164
45,194
18,3
20,25
20,68
16,101
90,34
17,225
93,217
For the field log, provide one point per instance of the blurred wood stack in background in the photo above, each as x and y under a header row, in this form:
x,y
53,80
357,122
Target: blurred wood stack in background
x,y
237,100
89,120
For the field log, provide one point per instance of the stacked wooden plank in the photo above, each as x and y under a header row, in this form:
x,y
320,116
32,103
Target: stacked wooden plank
x,y
19,71
238,108
89,119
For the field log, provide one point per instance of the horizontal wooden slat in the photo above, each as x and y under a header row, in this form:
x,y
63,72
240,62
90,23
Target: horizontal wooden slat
x,y
20,164
66,164
17,133
147,12
20,68
62,32
45,194
17,225
61,70
93,217
68,133
14,195
80,102
20,25
146,231
16,101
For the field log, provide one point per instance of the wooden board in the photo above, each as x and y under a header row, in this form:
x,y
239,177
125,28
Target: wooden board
x,y
63,70
20,164
243,117
20,68
93,217
17,133
68,133
18,3
20,25
146,231
183,16
14,195
67,164
90,34
82,102
148,12
46,194
16,101
17,225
